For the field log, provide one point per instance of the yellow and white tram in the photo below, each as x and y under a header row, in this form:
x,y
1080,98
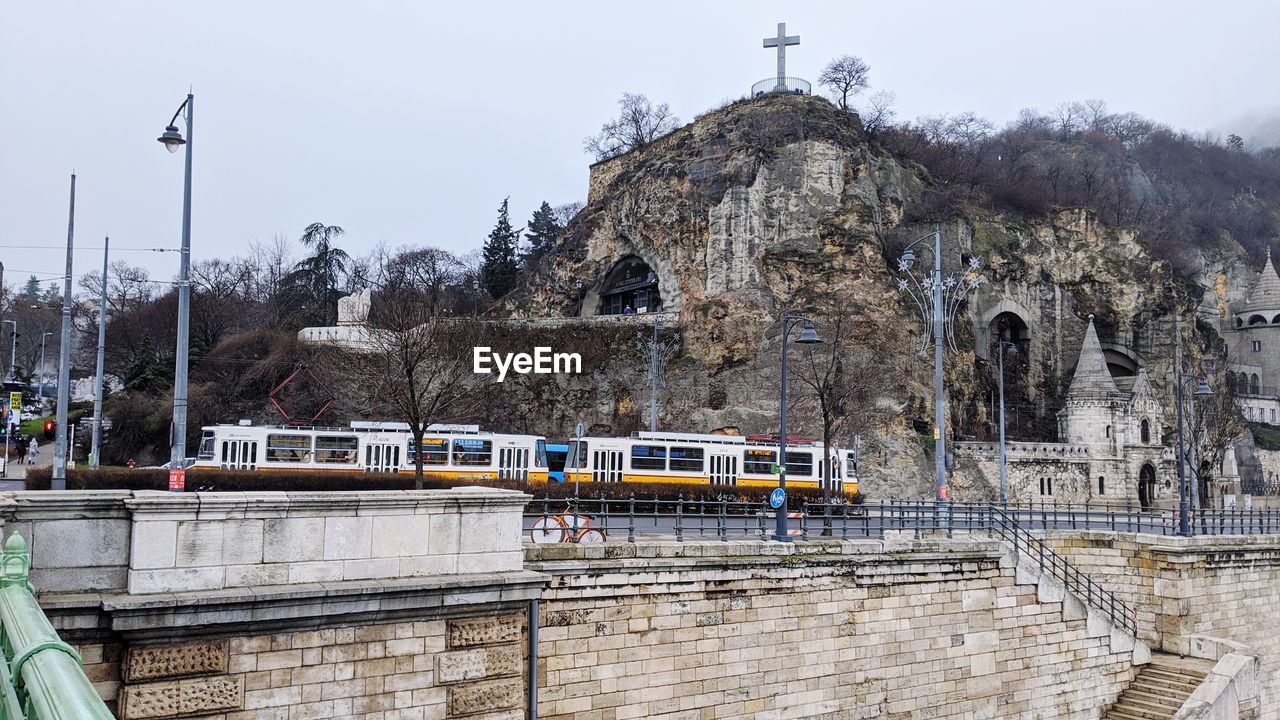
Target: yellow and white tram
x,y
453,452
703,459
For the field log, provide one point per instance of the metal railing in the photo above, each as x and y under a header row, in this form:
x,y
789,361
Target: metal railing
x,y
624,519
1077,583
41,677
793,85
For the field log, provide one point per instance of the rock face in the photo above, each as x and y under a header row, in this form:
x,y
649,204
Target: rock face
x,y
781,202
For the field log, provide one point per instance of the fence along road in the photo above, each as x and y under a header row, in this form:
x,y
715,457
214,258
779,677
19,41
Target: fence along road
x,y
597,520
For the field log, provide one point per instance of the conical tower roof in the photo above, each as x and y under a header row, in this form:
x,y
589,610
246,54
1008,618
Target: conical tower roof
x,y
1092,379
1265,294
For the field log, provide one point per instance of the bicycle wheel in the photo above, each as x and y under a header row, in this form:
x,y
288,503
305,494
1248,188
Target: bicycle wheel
x,y
591,535
549,529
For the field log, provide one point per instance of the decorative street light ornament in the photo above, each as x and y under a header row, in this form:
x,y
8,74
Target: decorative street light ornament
x,y
955,288
172,139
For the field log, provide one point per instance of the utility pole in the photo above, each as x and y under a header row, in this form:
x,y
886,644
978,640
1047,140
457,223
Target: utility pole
x,y
58,479
94,461
653,376
939,401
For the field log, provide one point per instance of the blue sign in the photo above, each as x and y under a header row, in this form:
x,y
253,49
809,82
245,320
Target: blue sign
x,y
777,497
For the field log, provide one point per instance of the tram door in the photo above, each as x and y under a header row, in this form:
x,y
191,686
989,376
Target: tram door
x,y
382,457
513,464
606,466
724,470
239,454
836,482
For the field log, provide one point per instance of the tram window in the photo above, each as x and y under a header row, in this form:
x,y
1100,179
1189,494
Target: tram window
x,y
687,459
472,452
336,448
288,448
225,445
540,454
206,446
435,451
799,464
648,457
758,462
577,455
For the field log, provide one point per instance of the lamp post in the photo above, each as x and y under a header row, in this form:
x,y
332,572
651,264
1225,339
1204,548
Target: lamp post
x,y
938,299
808,336
40,392
96,445
1004,487
13,350
173,140
653,375
1184,492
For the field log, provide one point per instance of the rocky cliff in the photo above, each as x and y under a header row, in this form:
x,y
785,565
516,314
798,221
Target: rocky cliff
x,y
781,202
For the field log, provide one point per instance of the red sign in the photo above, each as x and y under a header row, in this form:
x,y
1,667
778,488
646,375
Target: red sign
x,y
944,493
178,480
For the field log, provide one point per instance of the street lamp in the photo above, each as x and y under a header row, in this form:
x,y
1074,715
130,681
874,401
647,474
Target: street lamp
x,y
40,392
173,140
808,336
1004,487
1202,390
938,299
13,350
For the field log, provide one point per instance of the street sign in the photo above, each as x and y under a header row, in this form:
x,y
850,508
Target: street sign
x,y
178,480
777,497
15,401
777,469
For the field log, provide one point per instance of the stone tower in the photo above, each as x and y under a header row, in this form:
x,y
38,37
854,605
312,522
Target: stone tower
x,y
1094,405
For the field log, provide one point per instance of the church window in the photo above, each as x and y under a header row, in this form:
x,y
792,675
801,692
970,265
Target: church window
x,y
1146,438
1102,486
1273,416
1253,384
1108,431
1256,345
1257,320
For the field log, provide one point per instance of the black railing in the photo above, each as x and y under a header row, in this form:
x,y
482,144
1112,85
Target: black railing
x,y
1026,545
625,519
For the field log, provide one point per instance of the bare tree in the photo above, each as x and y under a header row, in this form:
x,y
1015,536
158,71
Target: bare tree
x,y
640,123
566,212
843,378
879,112
414,363
1218,424
847,75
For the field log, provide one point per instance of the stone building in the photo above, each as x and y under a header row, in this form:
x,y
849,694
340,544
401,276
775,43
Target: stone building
x,y
1109,447
1253,341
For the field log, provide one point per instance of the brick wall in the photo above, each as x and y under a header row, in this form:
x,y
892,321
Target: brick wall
x,y
847,629
1227,587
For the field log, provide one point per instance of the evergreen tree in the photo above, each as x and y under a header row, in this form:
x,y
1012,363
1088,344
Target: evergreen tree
x,y
500,266
543,229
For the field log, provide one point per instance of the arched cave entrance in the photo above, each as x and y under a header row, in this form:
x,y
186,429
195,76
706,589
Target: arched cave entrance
x,y
1021,413
1011,327
629,285
1146,486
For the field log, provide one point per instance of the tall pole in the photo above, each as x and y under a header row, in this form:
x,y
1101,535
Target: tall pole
x,y
13,350
1184,523
94,460
939,410
653,377
1193,489
40,393
1004,488
781,532
178,455
58,479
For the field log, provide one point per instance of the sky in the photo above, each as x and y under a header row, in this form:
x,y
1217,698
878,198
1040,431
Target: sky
x,y
407,122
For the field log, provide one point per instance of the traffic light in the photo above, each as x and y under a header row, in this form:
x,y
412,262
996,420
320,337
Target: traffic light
x,y
48,429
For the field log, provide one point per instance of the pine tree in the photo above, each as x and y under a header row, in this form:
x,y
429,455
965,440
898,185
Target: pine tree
x,y
543,229
499,269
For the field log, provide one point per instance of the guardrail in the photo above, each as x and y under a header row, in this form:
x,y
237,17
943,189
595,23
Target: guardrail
x,y
1081,585
596,520
41,677
793,85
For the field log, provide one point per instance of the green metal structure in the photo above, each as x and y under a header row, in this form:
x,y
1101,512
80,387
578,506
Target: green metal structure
x,y
41,677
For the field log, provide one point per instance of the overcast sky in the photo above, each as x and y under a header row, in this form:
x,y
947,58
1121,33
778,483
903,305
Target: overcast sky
x,y
408,122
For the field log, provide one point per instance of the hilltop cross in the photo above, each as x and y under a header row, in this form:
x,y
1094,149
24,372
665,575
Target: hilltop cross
x,y
781,42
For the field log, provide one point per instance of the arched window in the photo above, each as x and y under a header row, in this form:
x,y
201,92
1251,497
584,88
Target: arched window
x,y
1275,320
1108,431
1102,486
1253,384
1146,437
1257,320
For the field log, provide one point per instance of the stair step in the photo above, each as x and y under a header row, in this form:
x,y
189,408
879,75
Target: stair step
x,y
1158,701
1116,713
1168,676
1140,713
1162,690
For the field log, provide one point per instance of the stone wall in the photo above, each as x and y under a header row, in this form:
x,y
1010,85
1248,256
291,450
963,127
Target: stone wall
x,y
1226,587
853,629
377,605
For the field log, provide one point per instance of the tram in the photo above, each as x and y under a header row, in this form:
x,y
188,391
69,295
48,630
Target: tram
x,y
452,452
691,458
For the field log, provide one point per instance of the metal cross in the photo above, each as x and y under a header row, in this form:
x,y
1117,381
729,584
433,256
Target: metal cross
x,y
781,42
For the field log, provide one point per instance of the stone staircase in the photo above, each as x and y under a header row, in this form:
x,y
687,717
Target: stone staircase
x,y
1160,688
